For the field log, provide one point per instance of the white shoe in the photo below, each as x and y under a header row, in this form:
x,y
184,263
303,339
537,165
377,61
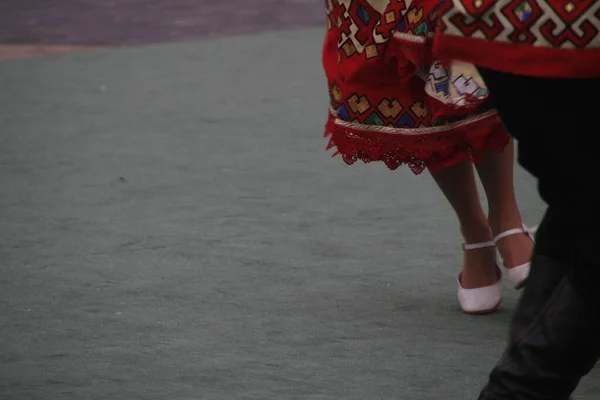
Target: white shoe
x,y
483,300
517,275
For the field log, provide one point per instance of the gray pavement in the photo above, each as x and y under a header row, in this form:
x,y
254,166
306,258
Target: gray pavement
x,y
172,228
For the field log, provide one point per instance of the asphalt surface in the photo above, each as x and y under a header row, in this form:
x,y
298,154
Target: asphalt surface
x,y
172,228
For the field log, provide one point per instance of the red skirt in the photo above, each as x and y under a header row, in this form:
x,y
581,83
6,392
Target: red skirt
x,y
391,101
540,38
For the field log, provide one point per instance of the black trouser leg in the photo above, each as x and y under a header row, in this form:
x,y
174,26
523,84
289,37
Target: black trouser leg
x,y
555,334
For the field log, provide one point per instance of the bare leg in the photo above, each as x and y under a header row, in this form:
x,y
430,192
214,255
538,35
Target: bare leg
x,y
496,172
458,185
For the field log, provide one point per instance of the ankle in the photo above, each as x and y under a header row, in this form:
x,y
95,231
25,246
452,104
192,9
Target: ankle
x,y
504,222
476,233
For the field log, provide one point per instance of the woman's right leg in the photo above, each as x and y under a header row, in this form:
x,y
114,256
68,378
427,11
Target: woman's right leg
x,y
496,171
458,185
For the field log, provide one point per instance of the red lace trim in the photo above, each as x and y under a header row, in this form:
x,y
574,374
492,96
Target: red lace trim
x,y
419,151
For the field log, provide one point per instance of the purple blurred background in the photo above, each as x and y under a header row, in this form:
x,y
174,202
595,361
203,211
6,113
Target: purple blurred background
x,y
131,22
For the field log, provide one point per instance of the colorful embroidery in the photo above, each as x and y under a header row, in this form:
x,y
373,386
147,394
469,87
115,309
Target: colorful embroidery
x,y
458,85
390,100
363,27
573,24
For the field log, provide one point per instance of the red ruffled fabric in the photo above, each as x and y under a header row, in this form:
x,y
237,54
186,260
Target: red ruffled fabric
x,y
418,152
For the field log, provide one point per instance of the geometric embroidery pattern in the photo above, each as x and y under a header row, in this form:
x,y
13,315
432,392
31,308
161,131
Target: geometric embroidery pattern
x,y
390,101
359,105
363,25
458,85
362,29
390,109
566,24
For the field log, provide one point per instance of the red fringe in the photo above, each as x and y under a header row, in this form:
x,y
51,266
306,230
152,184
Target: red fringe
x,y
432,151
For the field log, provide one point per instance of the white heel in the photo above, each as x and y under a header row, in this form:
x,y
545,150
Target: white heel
x,y
483,300
517,275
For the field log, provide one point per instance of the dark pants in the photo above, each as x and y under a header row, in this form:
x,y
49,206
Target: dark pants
x,y
555,333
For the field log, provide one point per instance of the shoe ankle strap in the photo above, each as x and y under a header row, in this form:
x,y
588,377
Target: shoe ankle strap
x,y
524,229
475,246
